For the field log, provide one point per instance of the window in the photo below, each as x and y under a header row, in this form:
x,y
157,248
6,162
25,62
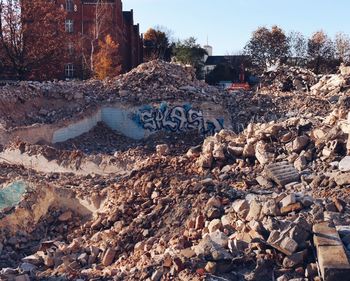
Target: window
x,y
70,48
69,5
69,26
69,70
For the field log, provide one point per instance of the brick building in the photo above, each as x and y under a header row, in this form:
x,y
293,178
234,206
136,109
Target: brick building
x,y
88,20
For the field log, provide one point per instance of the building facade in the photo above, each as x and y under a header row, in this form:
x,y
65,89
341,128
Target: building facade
x,y
88,21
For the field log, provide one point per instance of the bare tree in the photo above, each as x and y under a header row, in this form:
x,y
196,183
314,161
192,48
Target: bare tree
x,y
297,44
321,52
96,32
342,47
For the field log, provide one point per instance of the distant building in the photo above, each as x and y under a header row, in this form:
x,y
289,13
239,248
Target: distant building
x,y
81,19
80,22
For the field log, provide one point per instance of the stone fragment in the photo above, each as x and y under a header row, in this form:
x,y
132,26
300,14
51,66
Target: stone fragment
x,y
300,163
162,149
200,222
311,271
219,238
109,256
33,259
333,262
262,154
342,179
339,204
207,247
295,259
344,164
254,211
284,244
157,275
299,144
249,150
210,267
66,216
235,151
23,277
291,208
332,258
215,225
27,267
288,200
219,152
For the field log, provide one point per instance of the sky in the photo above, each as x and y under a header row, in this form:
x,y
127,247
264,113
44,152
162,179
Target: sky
x,y
228,24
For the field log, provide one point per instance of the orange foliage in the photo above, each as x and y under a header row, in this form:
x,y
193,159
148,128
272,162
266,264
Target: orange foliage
x,y
107,60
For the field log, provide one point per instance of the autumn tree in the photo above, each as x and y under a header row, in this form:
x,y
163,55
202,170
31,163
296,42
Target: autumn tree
x,y
191,53
267,47
342,47
98,28
107,59
157,44
321,53
33,38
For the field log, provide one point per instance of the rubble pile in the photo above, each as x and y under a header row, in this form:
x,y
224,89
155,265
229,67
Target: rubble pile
x,y
268,200
159,80
334,86
287,79
30,102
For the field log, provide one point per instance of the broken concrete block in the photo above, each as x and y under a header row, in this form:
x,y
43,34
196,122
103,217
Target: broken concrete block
x,y
331,255
236,151
300,163
298,144
344,164
288,200
325,235
264,181
215,225
282,243
219,238
254,211
162,149
291,208
66,216
342,179
207,247
108,257
262,154
282,173
333,262
295,259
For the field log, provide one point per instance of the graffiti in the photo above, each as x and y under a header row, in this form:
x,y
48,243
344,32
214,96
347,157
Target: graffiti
x,y
177,119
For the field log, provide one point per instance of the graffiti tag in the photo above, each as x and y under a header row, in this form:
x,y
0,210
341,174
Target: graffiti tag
x,y
178,119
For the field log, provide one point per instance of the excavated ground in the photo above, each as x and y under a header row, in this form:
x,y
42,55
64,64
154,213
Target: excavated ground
x,y
182,206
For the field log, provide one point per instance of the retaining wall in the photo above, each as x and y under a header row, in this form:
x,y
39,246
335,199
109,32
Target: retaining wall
x,y
134,122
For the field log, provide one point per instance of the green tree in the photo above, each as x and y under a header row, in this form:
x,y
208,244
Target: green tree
x,y
190,53
267,47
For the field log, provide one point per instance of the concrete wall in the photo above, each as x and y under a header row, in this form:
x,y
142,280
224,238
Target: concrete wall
x,y
134,122
76,129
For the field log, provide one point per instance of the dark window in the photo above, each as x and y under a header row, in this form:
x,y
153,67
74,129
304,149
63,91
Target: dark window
x,y
69,5
69,26
69,70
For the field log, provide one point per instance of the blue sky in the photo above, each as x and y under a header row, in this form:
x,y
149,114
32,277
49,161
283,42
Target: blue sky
x,y
229,23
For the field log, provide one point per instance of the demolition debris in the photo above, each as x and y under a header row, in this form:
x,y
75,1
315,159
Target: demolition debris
x,y
265,199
